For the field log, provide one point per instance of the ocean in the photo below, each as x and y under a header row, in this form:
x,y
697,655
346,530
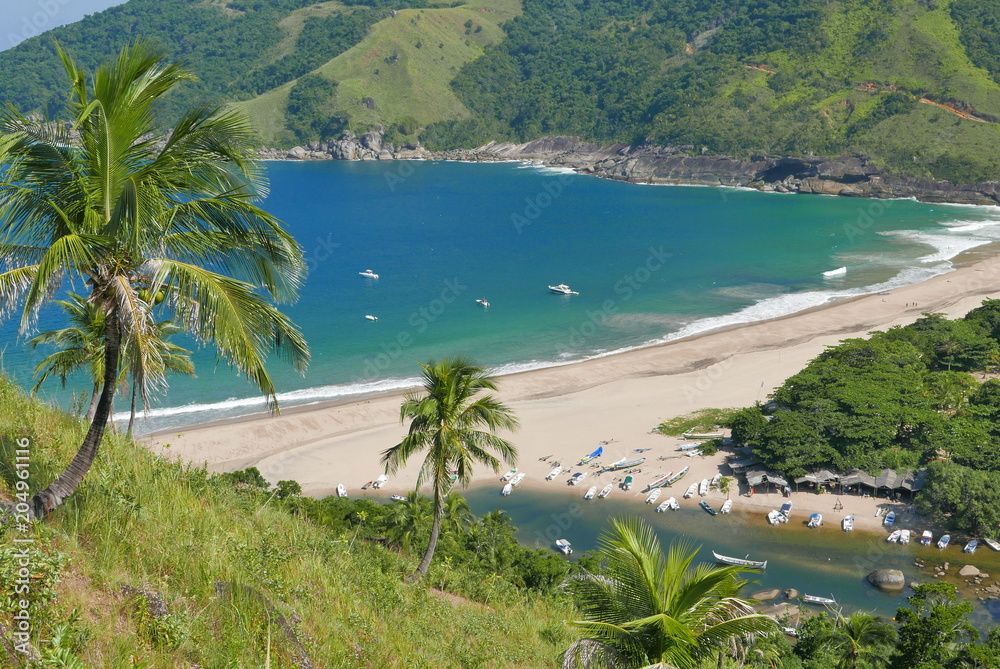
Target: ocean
x,y
650,264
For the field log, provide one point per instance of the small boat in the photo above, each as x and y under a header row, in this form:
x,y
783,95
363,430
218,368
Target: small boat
x,y
815,520
688,447
926,538
672,504
507,490
708,507
564,546
653,496
944,541
894,537
509,475
786,509
995,545
590,493
627,483
813,599
554,473
678,476
890,518
702,435
396,498
371,318
904,537
692,489
518,477
368,274
595,454
741,562
664,505
773,517
576,478
621,464
482,302
658,483
544,458
714,483
604,493
703,487
971,546
848,523
726,506
367,485
694,454
341,490
840,271
563,289
641,450
380,481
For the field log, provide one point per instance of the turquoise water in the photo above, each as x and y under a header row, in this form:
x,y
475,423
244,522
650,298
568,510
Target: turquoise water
x,y
650,263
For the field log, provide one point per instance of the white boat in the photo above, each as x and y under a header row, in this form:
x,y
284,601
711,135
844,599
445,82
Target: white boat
x,y
627,483
554,473
653,496
702,435
995,545
971,546
688,447
604,493
564,546
563,289
677,477
590,493
672,504
727,506
507,490
693,454
692,489
741,562
904,537
786,510
894,537
848,523
840,271
371,318
518,477
658,482
368,274
714,483
380,481
813,599
509,475
926,538
944,541
890,518
576,478
396,498
664,505
815,520
483,302
703,487
773,517
341,490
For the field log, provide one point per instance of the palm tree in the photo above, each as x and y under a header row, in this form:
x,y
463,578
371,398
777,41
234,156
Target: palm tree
x,y
407,519
725,486
446,421
648,608
862,640
118,205
456,516
170,358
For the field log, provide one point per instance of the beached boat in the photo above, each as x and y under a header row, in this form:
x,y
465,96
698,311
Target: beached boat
x,y
664,505
554,473
702,435
926,538
518,477
367,485
688,447
786,509
658,482
813,599
890,518
341,490
604,493
621,464
563,289
590,493
727,506
971,546
380,481
894,537
773,517
840,271
678,476
653,496
368,274
703,487
564,546
509,475
944,541
576,478
904,537
848,523
815,520
371,318
627,483
396,498
741,562
595,454
692,489
708,507
482,302
694,454
714,483
672,504
507,490
995,545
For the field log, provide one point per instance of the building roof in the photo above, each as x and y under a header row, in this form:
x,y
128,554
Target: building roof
x,y
819,476
757,475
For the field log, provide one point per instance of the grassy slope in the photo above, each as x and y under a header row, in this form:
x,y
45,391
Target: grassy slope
x,y
416,83
140,520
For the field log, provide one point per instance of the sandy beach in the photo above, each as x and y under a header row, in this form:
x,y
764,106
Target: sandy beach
x,y
567,411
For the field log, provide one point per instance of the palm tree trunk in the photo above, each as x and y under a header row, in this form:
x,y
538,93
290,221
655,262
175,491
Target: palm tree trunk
x,y
131,416
52,497
425,563
95,395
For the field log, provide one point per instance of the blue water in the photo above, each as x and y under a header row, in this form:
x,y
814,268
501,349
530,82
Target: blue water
x,y
650,263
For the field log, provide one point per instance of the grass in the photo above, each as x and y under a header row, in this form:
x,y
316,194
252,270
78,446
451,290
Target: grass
x,y
144,522
703,420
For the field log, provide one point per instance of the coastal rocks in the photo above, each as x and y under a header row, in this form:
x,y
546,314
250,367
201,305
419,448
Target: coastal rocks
x,y
791,593
766,595
968,571
887,579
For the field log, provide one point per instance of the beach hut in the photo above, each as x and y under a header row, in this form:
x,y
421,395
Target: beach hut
x,y
758,476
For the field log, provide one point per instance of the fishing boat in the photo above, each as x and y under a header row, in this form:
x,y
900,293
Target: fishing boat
x,y
692,489
595,454
396,498
576,478
714,483
621,464
702,435
554,473
653,496
890,518
563,289
604,493
627,483
995,545
367,485
727,506
703,487
971,546
840,271
848,523
658,483
590,493
815,520
741,562
380,481
509,475
708,507
944,541
786,509
678,476
371,318
507,490
688,447
368,274
664,505
813,599
694,454
904,537
341,490
672,504
482,302
518,477
564,546
926,538
894,537
773,517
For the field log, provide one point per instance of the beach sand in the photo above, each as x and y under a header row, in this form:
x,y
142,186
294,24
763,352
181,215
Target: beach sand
x,y
567,411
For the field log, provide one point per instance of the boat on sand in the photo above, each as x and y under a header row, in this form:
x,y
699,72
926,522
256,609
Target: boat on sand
x,y
341,490
727,506
590,493
653,496
708,507
692,489
604,493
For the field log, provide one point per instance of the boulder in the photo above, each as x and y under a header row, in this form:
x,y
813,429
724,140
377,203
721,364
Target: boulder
x,y
887,579
913,585
968,570
791,593
766,595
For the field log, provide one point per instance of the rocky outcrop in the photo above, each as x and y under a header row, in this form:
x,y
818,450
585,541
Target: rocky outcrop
x,y
766,595
887,579
791,593
847,175
968,571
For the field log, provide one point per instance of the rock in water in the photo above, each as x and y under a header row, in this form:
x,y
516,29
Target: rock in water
x,y
791,593
968,570
887,579
766,595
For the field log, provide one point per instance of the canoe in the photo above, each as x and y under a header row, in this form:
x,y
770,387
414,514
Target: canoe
x,y
658,482
741,562
702,435
708,507
678,476
621,464
813,599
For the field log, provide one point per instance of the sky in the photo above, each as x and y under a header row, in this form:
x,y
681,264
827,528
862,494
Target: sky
x,y
21,19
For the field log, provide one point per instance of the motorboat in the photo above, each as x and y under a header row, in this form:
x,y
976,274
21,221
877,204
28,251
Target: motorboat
x,y
604,493
563,289
688,447
695,453
894,537
368,274
653,496
726,506
664,505
518,477
576,478
944,541
507,490
926,538
627,483
815,520
554,473
590,493
564,546
813,599
848,523
714,483
658,482
692,489
703,487
840,271
509,475
371,318
482,302
672,504
971,546
708,507
786,509
995,545
740,562
904,537
773,517
890,518
341,490
380,481
396,498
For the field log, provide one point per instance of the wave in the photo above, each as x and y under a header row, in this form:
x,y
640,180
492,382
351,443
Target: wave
x,y
945,246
